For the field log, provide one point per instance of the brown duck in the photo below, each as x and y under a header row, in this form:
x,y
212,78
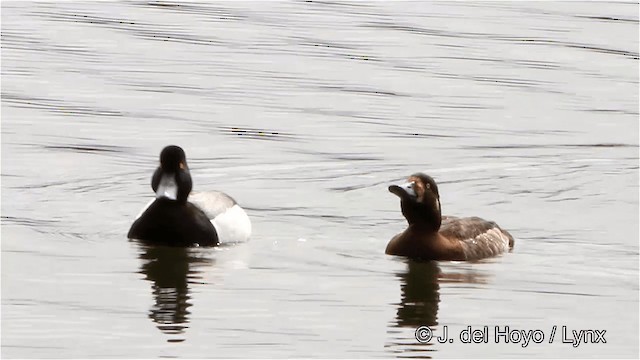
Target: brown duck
x,y
430,236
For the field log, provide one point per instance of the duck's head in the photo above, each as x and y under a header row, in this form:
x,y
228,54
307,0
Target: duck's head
x,y
172,179
420,200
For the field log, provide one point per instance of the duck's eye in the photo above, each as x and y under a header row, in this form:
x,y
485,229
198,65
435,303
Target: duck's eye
x,y
428,186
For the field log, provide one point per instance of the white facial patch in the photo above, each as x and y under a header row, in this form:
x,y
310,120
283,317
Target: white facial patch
x,y
408,187
167,187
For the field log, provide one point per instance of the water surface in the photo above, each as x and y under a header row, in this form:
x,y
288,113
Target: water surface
x,y
525,113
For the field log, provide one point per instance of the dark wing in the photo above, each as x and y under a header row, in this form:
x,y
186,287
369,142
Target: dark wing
x,y
479,238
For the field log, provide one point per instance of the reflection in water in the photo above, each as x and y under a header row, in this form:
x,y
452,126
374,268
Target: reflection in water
x,y
420,298
420,294
171,270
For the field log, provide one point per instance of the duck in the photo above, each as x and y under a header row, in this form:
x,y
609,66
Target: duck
x,y
176,217
431,236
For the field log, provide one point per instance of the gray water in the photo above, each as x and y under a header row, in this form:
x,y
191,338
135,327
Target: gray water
x,y
526,113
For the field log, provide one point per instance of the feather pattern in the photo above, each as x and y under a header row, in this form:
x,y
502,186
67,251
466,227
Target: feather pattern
x,y
213,203
479,238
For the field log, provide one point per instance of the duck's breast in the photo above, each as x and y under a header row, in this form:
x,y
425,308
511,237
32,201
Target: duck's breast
x,y
167,222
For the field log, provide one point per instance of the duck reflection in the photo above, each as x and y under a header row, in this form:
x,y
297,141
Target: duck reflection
x,y
420,294
420,298
420,291
171,270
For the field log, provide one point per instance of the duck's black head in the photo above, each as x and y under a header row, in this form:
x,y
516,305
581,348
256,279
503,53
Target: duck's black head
x,y
172,159
419,200
172,179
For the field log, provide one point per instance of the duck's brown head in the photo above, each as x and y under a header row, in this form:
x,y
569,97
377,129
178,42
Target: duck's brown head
x,y
419,200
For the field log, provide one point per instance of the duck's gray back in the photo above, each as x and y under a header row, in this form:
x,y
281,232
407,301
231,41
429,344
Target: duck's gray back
x,y
479,238
212,203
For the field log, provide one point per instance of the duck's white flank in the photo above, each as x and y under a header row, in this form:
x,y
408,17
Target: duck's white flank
x,y
229,219
233,225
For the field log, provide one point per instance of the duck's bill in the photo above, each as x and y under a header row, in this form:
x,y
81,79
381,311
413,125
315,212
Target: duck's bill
x,y
403,190
167,187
